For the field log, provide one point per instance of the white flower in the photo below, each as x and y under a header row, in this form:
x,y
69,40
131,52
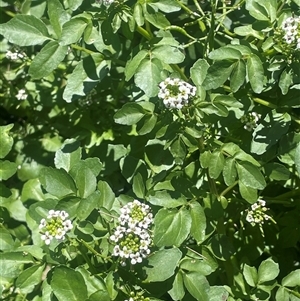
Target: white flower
x,y
14,55
132,236
175,93
55,226
257,214
108,2
21,94
47,237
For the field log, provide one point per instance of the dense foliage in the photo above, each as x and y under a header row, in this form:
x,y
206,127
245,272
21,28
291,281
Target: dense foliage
x,y
150,150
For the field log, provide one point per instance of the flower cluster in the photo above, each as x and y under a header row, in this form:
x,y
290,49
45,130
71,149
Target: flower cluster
x,y
106,2
291,28
175,93
137,297
22,95
250,120
55,226
14,55
132,235
257,214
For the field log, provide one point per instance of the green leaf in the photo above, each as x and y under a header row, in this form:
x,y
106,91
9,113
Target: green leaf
x,y
178,150
168,54
250,274
157,157
6,141
84,178
138,14
285,81
277,171
292,279
156,18
217,293
255,73
148,124
107,196
198,221
171,227
248,193
161,264
74,4
205,159
267,271
12,263
138,186
88,72
269,131
87,205
133,64
47,60
167,6
199,71
7,169
297,158
200,266
217,74
6,240
25,30
68,284
29,278
68,155
57,182
166,199
229,171
264,10
72,30
57,16
129,114
247,30
177,291
148,76
130,166
225,53
282,294
99,295
238,75
216,164
197,285
250,175
256,10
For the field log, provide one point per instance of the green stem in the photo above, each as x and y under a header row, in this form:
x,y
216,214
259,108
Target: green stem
x,y
181,30
80,48
9,13
264,102
177,69
228,188
185,8
143,32
199,8
93,250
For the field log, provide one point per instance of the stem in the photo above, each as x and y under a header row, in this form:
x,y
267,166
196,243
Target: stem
x,y
93,250
200,255
143,32
228,188
264,102
181,30
186,8
77,47
177,69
